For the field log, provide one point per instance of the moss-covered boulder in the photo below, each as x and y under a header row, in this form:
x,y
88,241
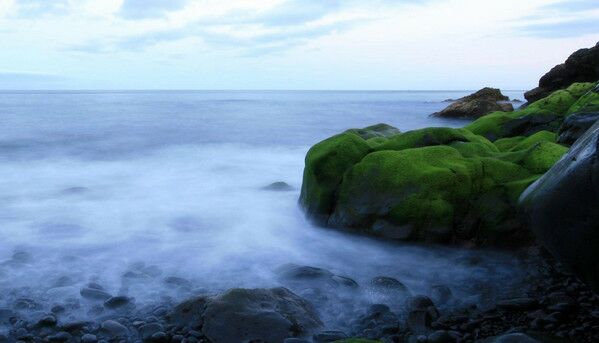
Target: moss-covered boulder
x,y
326,162
439,184
545,114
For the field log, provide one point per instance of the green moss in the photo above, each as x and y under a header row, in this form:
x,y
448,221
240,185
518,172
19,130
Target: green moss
x,y
515,188
559,102
589,102
377,130
542,156
541,136
505,144
432,136
325,164
491,125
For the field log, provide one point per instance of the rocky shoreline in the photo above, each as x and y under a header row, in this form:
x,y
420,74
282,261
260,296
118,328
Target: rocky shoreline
x,y
556,307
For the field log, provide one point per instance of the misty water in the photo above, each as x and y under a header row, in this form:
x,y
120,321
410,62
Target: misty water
x,y
131,189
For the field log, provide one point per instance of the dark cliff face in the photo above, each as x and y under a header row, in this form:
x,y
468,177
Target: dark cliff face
x,y
581,66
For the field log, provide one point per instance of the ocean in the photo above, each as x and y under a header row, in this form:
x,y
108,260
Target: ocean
x,y
135,189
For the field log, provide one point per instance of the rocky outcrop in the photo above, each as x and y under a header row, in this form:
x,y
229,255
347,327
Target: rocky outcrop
x,y
437,184
562,207
477,104
581,66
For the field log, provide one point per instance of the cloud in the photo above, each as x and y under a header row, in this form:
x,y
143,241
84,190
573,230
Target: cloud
x,y
561,19
143,9
37,8
297,12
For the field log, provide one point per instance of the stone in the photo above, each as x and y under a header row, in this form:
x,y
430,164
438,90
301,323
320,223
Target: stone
x,y
513,338
575,126
477,104
60,337
188,313
388,283
328,336
581,66
147,331
518,304
561,208
259,314
117,301
279,186
114,329
94,294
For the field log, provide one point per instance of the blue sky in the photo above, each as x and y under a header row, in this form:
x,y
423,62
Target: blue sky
x,y
288,44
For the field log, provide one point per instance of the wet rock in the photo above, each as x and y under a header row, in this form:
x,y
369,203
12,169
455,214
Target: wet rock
x,y
60,337
147,331
296,340
296,275
260,314
561,207
5,315
421,313
441,294
48,320
114,329
441,336
575,125
177,281
89,338
188,313
118,301
513,338
279,186
388,283
94,294
328,336
518,304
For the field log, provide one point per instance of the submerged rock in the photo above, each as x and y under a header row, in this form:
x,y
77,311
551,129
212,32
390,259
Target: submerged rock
x,y
581,66
269,315
562,207
477,104
278,186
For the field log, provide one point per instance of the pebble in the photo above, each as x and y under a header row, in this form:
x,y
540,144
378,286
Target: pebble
x,y
60,337
329,336
117,301
518,304
89,338
146,331
114,328
94,294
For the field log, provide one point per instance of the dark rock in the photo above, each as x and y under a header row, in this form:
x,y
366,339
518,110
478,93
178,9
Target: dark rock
x,y
89,338
562,207
60,337
581,66
177,281
118,301
421,313
477,104
293,274
114,329
94,294
440,336
295,340
5,315
188,313
147,331
259,314
528,125
388,283
518,304
47,321
576,125
513,338
159,337
278,186
441,294
328,336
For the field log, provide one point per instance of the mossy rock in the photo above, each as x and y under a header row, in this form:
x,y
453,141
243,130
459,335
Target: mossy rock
x,y
375,131
427,194
432,136
325,164
544,114
589,102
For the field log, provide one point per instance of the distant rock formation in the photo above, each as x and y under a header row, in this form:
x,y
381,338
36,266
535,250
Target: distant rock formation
x,y
581,66
477,104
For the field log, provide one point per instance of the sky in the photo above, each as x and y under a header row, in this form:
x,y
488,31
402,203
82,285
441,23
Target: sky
x,y
289,44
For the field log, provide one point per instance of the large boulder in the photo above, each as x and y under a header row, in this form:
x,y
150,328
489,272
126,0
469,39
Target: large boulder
x,y
477,104
433,184
562,207
581,66
265,315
